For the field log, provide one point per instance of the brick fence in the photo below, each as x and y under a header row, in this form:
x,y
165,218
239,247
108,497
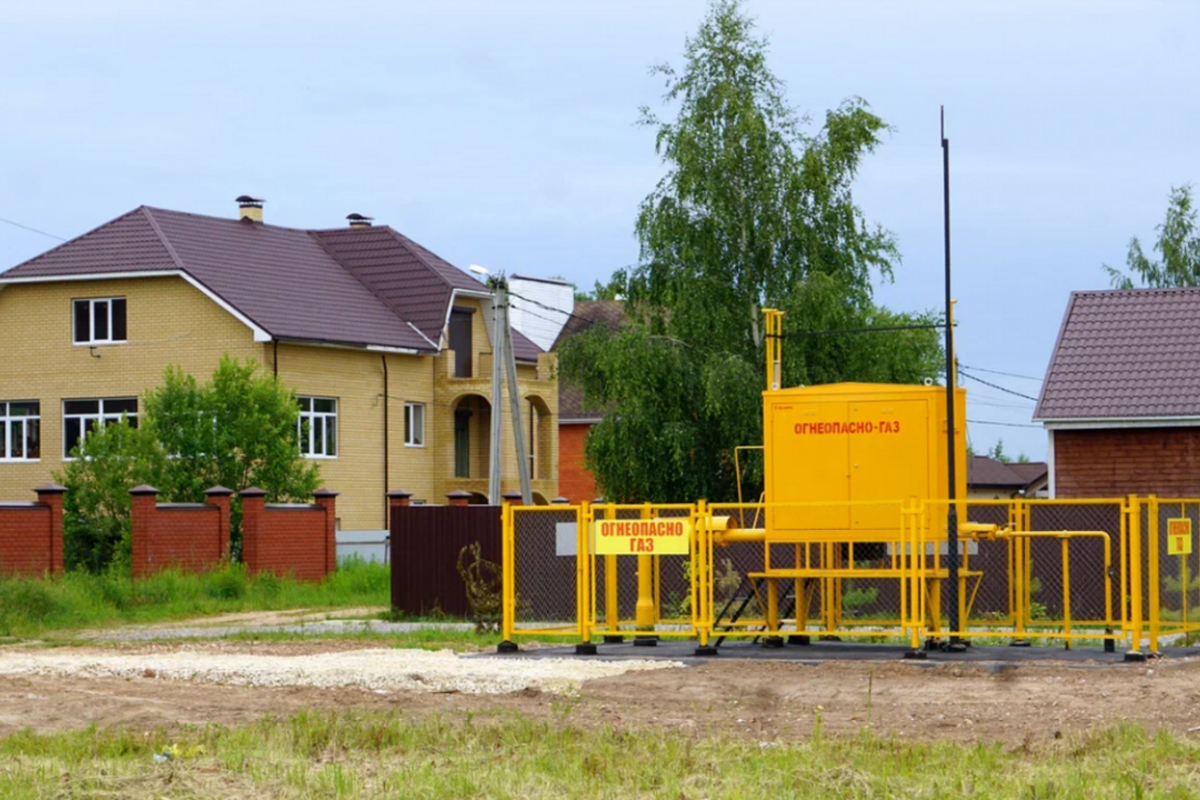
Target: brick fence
x,y
31,534
299,539
190,536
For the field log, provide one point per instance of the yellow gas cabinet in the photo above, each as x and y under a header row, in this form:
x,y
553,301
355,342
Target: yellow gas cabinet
x,y
855,452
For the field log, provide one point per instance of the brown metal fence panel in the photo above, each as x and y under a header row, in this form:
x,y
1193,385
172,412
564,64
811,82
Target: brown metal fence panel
x,y
426,542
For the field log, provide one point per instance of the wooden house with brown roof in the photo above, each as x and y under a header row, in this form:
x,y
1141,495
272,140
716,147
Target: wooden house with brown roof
x,y
1121,397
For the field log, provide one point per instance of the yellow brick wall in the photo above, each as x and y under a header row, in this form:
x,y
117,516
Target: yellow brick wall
x,y
537,381
169,322
355,379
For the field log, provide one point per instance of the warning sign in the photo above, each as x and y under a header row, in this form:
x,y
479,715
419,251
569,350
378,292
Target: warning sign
x,y
1179,536
633,537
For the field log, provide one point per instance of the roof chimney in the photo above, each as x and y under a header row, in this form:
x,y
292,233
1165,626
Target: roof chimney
x,y
250,208
359,221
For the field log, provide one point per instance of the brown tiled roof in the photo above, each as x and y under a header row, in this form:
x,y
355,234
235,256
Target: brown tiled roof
x,y
987,471
364,286
586,314
1125,354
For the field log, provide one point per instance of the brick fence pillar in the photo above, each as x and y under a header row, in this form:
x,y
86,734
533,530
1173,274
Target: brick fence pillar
x,y
458,498
560,501
51,496
512,498
399,498
254,507
145,500
327,500
221,497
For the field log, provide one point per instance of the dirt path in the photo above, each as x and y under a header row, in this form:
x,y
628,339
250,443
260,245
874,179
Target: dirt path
x,y
762,700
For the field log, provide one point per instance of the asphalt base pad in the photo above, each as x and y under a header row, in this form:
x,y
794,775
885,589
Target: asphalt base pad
x,y
829,651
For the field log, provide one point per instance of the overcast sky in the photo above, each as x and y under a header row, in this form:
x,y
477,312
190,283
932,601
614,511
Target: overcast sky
x,y
503,133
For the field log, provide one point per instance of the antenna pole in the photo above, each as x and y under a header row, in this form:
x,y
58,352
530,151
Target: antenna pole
x,y
952,555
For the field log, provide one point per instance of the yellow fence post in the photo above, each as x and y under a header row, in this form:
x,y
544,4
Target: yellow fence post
x,y
645,610
507,576
1066,588
699,574
1134,562
612,602
1152,525
583,583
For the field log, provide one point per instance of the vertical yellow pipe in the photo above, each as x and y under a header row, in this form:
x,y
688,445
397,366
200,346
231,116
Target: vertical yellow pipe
x,y
1152,534
1066,582
612,600
772,605
645,574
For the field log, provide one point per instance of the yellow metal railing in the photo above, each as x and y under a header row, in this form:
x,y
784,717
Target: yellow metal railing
x,y
735,555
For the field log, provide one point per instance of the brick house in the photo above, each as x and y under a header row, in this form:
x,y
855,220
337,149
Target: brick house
x,y
575,482
1121,397
387,346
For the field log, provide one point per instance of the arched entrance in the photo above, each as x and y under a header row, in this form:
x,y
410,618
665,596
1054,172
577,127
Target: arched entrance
x,y
539,432
472,429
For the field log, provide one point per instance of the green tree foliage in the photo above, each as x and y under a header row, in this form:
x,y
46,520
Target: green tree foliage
x,y
236,430
1178,244
753,211
96,518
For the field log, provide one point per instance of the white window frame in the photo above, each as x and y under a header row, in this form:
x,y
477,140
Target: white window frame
x,y
101,416
409,427
92,303
6,421
310,415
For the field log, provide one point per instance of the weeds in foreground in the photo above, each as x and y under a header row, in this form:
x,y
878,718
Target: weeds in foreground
x,y
373,755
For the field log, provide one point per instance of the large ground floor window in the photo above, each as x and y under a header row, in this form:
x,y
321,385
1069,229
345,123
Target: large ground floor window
x,y
20,431
80,417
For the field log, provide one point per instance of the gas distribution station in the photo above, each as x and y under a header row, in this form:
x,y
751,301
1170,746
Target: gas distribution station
x,y
861,543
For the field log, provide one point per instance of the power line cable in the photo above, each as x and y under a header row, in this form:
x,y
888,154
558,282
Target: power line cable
x,y
877,329
998,372
1003,424
511,293
966,374
35,230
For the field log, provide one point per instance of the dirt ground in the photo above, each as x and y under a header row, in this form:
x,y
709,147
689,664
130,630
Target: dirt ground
x,y
763,700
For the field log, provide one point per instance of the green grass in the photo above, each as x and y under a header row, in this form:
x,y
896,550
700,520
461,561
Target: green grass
x,y
376,755
33,607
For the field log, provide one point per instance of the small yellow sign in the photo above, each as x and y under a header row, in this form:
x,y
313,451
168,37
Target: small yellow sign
x,y
1179,536
635,537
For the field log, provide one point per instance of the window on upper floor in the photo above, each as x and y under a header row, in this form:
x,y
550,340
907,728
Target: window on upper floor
x,y
414,424
460,340
20,431
81,417
98,320
317,427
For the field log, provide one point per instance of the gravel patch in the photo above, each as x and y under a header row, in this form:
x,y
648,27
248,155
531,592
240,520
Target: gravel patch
x,y
373,669
342,627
